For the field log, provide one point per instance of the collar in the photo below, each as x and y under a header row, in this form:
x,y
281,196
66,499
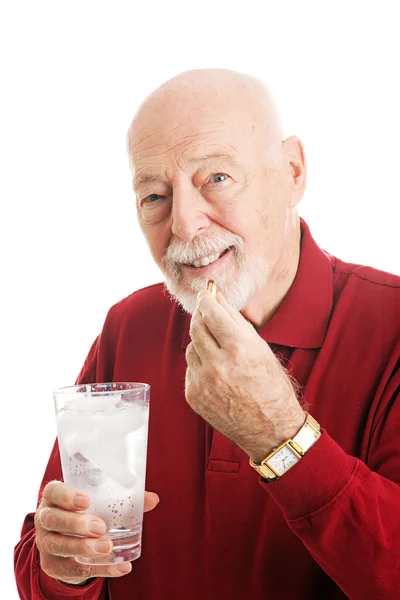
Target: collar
x,y
302,319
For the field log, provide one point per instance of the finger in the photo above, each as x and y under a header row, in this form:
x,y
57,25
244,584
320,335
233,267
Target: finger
x,y
192,358
112,570
236,316
218,321
58,544
74,523
70,571
202,339
150,501
56,493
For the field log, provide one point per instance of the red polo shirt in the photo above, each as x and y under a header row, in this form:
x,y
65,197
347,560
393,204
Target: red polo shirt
x,y
330,528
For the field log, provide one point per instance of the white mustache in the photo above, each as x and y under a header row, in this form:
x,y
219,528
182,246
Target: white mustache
x,y
201,245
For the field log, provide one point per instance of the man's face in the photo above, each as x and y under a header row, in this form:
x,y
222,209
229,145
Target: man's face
x,y
212,204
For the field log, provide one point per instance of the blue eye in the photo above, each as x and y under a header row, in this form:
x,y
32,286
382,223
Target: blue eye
x,y
153,198
219,177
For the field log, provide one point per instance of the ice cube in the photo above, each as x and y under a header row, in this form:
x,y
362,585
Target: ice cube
x,y
110,456
94,475
70,432
126,418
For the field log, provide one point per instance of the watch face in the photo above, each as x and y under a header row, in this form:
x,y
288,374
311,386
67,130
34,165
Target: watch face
x,y
282,460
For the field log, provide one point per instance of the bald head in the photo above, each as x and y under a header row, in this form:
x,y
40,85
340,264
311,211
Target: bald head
x,y
212,95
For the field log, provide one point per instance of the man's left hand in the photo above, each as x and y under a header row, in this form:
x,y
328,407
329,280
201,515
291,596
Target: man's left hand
x,y
235,382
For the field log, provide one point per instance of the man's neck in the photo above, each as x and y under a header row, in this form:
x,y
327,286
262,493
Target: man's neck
x,y
267,301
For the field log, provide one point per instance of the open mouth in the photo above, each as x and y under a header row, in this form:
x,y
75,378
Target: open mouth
x,y
205,261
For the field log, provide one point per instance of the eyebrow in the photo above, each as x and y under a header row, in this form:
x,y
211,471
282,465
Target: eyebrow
x,y
145,179
228,158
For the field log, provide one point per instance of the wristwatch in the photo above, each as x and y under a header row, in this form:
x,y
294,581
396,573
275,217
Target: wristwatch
x,y
288,454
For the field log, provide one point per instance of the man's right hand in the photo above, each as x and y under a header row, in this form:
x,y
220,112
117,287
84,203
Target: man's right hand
x,y
58,519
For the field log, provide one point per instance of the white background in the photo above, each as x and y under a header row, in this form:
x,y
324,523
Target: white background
x,y
72,75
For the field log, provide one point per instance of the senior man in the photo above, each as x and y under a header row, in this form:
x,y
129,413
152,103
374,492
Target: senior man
x,y
274,430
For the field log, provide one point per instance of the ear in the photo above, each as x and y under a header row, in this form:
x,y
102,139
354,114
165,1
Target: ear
x,y
295,160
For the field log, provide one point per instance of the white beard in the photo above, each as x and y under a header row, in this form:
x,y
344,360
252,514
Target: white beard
x,y
244,275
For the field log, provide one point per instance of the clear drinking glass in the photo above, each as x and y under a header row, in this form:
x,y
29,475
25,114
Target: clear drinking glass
x,y
102,434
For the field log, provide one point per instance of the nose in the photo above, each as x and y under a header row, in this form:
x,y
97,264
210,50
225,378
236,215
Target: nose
x,y
188,213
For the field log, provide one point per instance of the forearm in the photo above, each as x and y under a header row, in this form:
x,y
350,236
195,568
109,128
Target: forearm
x,y
347,517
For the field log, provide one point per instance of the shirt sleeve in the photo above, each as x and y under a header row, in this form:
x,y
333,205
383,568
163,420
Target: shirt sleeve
x,y
32,582
346,512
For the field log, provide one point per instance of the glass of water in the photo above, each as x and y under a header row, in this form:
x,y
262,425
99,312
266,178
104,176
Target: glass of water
x,y
102,434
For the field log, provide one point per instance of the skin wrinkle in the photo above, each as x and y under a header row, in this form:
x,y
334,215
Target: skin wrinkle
x,y
229,159
191,162
185,139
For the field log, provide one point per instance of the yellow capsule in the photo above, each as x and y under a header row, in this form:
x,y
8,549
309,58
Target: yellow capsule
x,y
212,287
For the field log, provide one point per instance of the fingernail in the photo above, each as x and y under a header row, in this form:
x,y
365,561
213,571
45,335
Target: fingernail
x,y
80,501
124,568
102,546
97,527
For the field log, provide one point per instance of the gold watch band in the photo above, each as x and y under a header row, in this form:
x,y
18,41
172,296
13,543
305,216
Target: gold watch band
x,y
286,455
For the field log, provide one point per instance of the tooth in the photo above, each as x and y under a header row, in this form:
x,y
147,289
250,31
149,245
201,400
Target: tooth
x,y
203,262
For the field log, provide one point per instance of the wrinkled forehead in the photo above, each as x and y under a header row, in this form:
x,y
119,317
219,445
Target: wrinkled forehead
x,y
183,137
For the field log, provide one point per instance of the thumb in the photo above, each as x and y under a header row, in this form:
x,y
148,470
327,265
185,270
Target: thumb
x,y
150,501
